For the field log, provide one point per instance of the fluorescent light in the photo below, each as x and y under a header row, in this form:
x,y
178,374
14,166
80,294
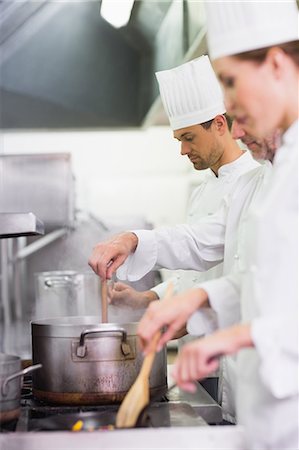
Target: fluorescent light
x,y
117,12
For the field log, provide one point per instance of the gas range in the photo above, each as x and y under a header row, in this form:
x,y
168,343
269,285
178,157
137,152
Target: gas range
x,y
38,416
166,424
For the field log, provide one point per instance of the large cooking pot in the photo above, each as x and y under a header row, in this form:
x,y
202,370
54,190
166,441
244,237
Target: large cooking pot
x,y
10,385
66,293
87,362
69,293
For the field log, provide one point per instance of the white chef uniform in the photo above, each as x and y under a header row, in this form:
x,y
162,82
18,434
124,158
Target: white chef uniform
x,y
267,400
200,246
266,280
268,375
205,201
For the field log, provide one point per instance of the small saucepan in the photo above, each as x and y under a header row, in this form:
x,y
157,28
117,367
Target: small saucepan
x,y
10,385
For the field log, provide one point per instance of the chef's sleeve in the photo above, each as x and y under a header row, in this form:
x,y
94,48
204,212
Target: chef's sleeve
x,y
224,298
276,341
161,288
197,247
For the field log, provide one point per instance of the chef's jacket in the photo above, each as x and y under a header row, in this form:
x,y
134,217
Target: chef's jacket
x,y
213,193
268,374
224,292
267,381
212,238
266,280
197,247
205,201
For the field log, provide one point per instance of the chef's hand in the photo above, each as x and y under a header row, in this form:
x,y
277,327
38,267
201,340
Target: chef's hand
x,y
108,255
122,294
201,357
172,313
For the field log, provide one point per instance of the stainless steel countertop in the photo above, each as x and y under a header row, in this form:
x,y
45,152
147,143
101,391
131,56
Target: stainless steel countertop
x,y
183,438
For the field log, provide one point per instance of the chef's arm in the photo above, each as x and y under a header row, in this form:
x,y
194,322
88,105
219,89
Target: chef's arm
x,y
174,312
160,289
197,247
171,313
201,357
223,296
275,338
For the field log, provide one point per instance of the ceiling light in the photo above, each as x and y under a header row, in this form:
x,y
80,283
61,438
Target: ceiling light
x,y
117,12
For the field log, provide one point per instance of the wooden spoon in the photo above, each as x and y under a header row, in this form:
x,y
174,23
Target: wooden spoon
x,y
138,396
104,301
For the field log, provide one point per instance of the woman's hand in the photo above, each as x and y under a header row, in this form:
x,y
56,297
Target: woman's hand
x,y
107,256
172,313
201,357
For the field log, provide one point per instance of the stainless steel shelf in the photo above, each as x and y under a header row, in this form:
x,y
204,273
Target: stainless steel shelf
x,y
20,224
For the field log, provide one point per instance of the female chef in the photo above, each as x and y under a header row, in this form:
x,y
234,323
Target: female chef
x,y
256,57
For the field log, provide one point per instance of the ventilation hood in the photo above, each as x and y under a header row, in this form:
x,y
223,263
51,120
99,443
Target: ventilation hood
x,y
63,66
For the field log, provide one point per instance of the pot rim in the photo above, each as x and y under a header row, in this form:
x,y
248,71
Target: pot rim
x,y
56,273
6,358
72,326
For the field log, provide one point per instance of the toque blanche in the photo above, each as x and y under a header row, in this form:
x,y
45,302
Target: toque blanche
x,y
191,93
239,26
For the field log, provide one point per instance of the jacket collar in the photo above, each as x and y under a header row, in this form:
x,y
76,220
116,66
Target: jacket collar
x,y
227,169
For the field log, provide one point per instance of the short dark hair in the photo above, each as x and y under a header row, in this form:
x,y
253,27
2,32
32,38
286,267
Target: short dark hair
x,y
259,55
207,125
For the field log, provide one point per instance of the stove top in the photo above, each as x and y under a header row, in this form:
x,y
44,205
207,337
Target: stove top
x,y
165,425
37,415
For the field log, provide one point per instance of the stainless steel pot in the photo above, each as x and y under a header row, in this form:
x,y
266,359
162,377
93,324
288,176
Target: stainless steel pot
x,y
66,293
10,385
69,293
87,362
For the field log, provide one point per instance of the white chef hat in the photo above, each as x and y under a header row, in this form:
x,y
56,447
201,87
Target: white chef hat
x,y
237,27
190,93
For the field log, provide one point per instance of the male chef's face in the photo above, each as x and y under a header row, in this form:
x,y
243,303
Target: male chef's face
x,y
260,148
200,145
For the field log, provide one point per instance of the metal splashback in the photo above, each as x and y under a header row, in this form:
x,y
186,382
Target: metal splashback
x,y
20,224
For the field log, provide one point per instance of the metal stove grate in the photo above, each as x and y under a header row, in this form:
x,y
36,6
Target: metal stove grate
x,y
37,415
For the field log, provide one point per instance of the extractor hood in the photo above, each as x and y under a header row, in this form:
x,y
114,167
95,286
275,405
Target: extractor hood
x,y
63,66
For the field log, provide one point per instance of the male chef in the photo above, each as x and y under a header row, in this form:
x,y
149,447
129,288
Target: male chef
x,y
193,101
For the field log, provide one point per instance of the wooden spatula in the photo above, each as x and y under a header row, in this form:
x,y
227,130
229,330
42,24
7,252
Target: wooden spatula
x,y
104,301
139,394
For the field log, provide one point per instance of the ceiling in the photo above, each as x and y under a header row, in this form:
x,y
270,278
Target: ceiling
x,y
63,66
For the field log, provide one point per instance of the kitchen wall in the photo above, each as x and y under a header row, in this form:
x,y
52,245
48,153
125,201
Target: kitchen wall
x,y
133,173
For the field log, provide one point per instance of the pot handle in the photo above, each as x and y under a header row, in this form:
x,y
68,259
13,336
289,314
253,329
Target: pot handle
x,y
59,282
4,389
81,349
